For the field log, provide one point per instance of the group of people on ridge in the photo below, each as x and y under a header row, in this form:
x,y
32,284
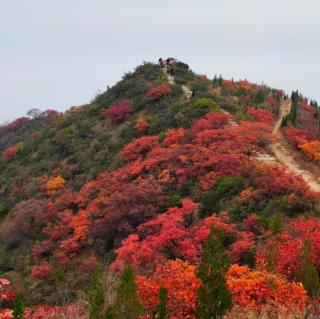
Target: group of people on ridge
x,y
167,64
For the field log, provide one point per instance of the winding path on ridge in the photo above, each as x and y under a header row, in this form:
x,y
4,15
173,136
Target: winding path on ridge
x,y
284,153
186,90
281,149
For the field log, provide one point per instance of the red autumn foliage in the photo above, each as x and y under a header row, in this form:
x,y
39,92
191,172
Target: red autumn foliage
x,y
253,224
179,279
244,244
141,126
139,148
6,314
10,153
129,201
297,136
6,295
167,236
210,121
260,115
43,271
54,312
157,92
107,210
50,113
175,136
288,249
13,126
256,288
119,112
203,77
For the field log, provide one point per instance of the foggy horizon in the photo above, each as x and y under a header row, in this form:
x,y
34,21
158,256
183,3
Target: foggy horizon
x,y
55,55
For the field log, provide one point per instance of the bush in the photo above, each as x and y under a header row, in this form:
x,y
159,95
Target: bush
x,y
119,112
10,153
157,92
225,189
207,103
182,73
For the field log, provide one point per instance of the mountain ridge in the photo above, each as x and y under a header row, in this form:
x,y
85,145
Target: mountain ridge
x,y
141,173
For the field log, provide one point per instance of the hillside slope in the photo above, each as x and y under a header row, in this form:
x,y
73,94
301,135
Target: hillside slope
x,y
142,173
284,154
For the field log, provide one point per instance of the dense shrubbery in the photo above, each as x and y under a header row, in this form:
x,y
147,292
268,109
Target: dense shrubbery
x,y
119,112
147,190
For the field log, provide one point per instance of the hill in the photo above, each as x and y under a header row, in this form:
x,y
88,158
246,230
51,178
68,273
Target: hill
x,y
145,172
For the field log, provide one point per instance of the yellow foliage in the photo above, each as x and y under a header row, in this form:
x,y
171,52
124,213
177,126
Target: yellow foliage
x,y
55,184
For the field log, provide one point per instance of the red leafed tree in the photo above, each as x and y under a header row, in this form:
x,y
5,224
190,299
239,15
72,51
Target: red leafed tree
x,y
167,236
175,136
157,92
49,113
288,249
139,148
210,121
141,126
13,126
298,136
10,153
6,294
106,210
119,112
253,224
243,245
43,271
256,288
260,115
179,279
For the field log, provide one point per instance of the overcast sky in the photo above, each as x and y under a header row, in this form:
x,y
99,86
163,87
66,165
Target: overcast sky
x,y
54,54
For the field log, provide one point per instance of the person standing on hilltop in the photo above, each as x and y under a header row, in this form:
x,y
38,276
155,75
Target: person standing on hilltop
x,y
161,62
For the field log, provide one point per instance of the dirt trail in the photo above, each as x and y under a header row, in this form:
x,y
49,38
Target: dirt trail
x,y
285,155
186,90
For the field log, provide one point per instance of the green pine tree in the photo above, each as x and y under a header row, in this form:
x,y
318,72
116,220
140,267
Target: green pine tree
x,y
309,275
96,295
161,311
18,307
127,303
213,296
111,313
276,224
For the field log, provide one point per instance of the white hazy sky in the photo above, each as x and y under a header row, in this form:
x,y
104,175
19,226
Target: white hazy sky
x,y
54,54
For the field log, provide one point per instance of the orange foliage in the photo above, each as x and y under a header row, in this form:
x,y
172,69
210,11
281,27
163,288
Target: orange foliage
x,y
157,92
312,149
256,288
141,126
298,136
10,153
55,184
179,279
